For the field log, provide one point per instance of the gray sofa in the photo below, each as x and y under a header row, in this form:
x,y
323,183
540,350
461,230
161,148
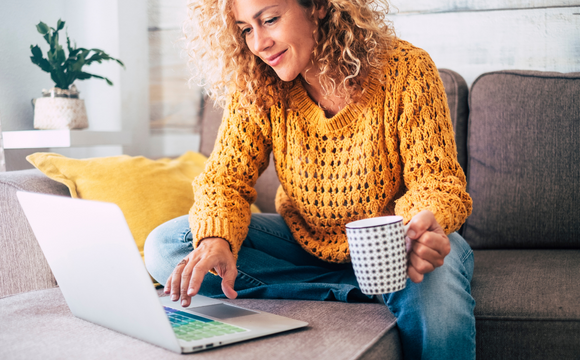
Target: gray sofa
x,y
518,138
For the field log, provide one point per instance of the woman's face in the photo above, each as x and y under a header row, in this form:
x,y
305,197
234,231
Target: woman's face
x,y
280,32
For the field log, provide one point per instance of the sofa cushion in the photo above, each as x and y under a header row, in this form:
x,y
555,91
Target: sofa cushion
x,y
22,265
39,325
456,91
524,160
527,304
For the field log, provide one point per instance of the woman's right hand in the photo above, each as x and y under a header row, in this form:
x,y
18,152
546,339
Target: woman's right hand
x,y
186,278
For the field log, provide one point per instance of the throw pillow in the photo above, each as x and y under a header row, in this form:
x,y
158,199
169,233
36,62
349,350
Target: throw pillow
x,y
149,192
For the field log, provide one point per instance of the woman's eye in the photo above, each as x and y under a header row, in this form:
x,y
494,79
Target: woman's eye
x,y
245,31
271,21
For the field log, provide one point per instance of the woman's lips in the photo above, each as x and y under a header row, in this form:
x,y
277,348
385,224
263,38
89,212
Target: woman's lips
x,y
275,60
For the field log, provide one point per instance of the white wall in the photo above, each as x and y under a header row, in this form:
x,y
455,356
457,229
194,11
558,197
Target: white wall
x,y
175,104
119,27
474,36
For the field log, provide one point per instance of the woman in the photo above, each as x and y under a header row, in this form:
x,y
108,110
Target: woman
x,y
359,127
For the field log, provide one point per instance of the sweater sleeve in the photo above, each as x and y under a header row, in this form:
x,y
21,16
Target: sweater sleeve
x,y
433,177
224,191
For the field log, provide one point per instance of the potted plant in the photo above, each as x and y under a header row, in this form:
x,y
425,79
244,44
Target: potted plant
x,y
60,107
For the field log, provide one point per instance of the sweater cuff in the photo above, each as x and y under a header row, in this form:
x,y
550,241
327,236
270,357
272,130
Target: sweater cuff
x,y
449,217
215,227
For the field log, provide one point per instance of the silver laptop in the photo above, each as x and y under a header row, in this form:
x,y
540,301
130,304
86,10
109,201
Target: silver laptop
x,y
97,265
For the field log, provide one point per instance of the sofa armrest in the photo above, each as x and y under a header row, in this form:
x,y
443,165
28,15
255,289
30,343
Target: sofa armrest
x,y
22,264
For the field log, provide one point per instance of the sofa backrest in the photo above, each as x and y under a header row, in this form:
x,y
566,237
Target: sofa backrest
x,y
524,160
22,265
457,98
267,185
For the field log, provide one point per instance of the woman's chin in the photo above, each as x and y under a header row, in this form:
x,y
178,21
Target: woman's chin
x,y
285,76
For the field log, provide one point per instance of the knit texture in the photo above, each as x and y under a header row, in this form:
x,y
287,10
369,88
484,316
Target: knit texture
x,y
392,152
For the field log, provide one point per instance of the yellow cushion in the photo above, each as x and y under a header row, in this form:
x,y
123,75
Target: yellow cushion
x,y
149,192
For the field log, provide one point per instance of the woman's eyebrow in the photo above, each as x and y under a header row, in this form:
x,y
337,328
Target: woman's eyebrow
x,y
256,15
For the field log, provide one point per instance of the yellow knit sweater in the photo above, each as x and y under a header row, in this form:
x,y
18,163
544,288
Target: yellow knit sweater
x,y
393,152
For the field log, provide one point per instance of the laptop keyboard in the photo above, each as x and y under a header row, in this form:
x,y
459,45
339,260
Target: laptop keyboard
x,y
191,327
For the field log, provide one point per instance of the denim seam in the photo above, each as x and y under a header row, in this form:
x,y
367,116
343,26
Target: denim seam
x,y
268,231
243,274
465,256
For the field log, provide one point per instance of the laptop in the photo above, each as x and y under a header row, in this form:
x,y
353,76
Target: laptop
x,y
97,265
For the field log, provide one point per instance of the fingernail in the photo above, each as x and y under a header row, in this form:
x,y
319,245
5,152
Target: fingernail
x,y
190,292
183,302
174,297
411,234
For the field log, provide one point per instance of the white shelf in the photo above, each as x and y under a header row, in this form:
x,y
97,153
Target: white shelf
x,y
33,139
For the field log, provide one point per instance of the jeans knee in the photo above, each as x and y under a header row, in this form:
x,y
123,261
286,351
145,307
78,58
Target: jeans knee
x,y
461,255
150,250
165,246
444,295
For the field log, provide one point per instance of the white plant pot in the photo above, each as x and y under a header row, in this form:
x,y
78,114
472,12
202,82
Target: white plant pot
x,y
53,113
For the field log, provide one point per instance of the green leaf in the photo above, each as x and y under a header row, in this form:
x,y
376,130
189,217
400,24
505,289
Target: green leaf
x,y
55,41
58,76
59,25
73,53
120,63
69,48
60,56
42,28
51,56
55,79
84,76
36,52
37,59
101,56
77,66
71,76
43,63
98,57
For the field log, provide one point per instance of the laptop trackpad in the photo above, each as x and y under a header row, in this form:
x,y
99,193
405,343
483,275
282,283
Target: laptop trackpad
x,y
222,311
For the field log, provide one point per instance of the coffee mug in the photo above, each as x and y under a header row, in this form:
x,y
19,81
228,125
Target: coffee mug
x,y
378,255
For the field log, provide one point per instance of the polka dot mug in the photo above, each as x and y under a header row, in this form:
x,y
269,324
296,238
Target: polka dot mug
x,y
378,255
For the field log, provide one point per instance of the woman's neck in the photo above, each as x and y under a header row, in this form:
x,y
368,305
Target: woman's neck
x,y
330,104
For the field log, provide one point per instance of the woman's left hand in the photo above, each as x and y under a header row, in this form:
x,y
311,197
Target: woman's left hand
x,y
427,245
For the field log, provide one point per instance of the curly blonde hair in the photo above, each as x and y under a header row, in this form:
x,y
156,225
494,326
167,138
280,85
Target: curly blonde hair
x,y
354,37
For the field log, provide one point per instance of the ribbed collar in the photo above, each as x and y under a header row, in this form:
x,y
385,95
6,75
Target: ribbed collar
x,y
310,110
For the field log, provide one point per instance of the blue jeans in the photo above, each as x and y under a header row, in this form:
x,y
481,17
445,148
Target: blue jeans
x,y
435,317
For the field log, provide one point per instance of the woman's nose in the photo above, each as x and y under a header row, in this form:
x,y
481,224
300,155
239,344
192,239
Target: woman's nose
x,y
262,40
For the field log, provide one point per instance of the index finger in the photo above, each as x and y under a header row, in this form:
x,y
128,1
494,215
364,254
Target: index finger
x,y
198,274
421,223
